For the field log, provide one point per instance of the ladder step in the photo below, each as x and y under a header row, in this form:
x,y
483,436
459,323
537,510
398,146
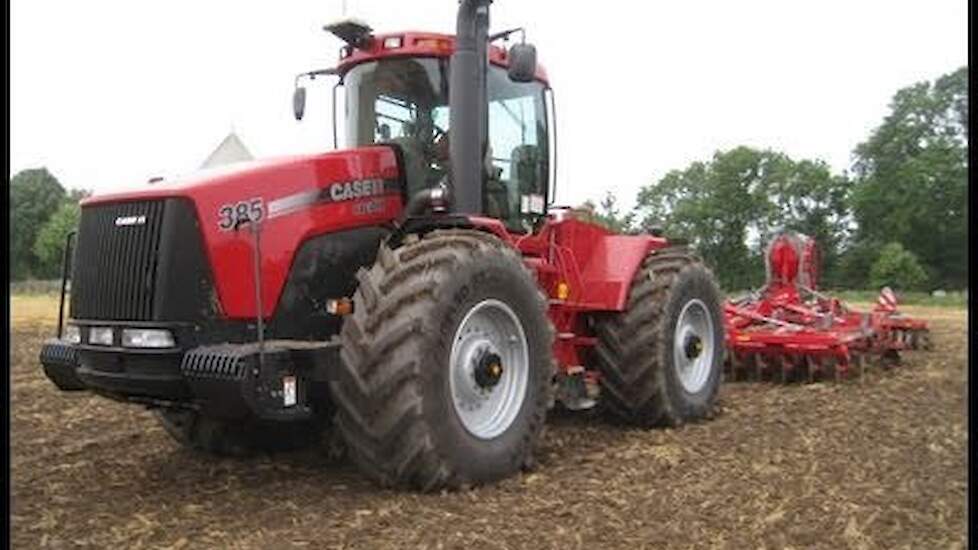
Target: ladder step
x,y
577,340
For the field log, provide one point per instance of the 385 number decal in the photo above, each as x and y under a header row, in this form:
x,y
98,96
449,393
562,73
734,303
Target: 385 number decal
x,y
230,216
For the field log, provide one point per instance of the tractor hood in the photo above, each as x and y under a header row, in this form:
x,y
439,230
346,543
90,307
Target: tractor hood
x,y
294,198
266,178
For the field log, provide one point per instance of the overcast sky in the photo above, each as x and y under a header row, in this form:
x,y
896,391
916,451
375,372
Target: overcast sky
x,y
107,94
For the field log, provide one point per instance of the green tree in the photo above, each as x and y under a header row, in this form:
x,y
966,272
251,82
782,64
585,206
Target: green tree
x,y
912,177
76,195
897,268
35,195
854,264
608,214
49,246
731,206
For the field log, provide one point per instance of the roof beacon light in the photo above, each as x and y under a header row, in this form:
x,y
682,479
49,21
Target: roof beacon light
x,y
392,42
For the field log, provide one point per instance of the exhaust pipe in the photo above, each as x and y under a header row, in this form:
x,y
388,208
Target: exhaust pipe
x,y
438,200
467,105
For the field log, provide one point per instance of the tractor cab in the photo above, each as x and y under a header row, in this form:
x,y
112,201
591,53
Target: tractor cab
x,y
396,92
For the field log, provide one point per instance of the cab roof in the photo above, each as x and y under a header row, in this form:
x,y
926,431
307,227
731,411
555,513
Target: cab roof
x,y
417,44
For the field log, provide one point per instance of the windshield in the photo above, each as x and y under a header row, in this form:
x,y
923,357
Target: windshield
x,y
404,101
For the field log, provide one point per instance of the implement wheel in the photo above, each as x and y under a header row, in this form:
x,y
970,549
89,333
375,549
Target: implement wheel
x,y
447,364
661,359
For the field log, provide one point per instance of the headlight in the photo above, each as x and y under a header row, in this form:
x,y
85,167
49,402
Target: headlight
x,y
72,334
100,336
147,338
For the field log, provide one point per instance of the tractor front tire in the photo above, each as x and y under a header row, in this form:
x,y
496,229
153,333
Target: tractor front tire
x,y
238,437
446,364
661,358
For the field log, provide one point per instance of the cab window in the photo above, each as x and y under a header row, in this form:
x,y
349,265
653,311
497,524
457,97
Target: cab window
x,y
516,187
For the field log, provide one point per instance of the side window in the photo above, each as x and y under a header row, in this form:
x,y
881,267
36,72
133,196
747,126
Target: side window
x,y
516,188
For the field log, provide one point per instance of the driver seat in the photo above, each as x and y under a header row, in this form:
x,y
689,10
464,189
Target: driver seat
x,y
415,173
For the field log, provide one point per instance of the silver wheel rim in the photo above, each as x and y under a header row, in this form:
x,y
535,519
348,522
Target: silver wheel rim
x,y
693,346
490,327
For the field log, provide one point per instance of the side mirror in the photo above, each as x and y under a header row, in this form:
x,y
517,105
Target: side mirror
x,y
522,62
299,102
299,95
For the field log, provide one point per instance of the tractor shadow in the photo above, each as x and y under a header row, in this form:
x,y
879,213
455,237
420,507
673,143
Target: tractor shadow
x,y
186,471
174,473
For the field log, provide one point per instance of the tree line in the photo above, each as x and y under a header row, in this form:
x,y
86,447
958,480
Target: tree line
x,y
899,218
42,213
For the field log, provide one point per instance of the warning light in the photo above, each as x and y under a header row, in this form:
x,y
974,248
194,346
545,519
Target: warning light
x,y
438,44
563,291
339,306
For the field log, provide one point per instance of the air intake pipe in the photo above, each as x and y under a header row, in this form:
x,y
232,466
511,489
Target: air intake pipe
x,y
467,105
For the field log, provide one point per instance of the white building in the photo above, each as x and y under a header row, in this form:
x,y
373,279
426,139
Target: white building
x,y
230,151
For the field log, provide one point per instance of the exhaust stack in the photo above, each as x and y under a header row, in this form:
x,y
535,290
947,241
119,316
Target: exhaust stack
x,y
467,105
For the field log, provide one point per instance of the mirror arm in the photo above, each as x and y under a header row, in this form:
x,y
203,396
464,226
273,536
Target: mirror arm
x,y
313,74
320,72
505,35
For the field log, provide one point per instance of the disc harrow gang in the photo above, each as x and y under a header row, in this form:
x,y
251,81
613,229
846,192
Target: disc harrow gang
x,y
789,332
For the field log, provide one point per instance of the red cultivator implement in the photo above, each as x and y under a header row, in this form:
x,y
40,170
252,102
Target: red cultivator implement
x,y
789,331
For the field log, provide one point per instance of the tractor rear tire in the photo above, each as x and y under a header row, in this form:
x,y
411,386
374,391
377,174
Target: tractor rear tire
x,y
648,380
440,325
239,437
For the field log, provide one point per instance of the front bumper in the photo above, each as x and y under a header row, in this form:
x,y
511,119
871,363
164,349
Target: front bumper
x,y
227,380
60,362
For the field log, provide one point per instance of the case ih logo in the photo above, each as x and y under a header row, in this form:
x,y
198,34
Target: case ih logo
x,y
130,220
334,193
356,189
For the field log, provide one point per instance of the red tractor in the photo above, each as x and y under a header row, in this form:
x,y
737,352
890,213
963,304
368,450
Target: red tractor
x,y
418,292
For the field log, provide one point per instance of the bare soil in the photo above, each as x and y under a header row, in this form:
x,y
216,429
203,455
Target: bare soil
x,y
879,462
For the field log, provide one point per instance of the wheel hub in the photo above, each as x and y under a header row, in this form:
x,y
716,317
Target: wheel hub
x,y
488,370
694,346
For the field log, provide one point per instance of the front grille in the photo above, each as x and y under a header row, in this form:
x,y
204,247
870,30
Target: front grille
x,y
115,264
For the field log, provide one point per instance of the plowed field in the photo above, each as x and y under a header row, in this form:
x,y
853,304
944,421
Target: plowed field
x,y
878,462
